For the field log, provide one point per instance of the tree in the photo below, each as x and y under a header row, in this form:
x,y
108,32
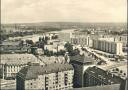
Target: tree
x,y
117,69
69,47
61,52
30,42
121,71
75,52
40,39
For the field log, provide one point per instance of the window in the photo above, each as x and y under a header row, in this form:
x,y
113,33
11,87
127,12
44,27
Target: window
x,y
65,78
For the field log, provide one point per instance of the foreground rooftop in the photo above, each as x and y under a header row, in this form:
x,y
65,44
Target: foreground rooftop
x,y
32,71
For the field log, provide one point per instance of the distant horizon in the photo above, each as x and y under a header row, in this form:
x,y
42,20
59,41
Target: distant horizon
x,y
63,22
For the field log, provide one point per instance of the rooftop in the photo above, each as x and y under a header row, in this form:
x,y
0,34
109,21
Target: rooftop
x,y
107,76
17,59
52,59
105,87
11,43
32,72
82,58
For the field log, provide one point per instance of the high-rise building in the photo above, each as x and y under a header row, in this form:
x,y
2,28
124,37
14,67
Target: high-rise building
x,y
82,40
65,36
112,47
49,77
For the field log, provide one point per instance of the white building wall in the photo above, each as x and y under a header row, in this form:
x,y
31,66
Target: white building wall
x,y
108,46
65,37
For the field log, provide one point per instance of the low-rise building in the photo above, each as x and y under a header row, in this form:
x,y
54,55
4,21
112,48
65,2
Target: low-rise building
x,y
12,63
14,47
54,48
49,77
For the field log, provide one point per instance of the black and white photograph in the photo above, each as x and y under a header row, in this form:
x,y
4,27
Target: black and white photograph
x,y
63,45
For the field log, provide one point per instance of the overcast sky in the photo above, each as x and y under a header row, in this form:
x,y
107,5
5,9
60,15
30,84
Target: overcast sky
x,y
23,11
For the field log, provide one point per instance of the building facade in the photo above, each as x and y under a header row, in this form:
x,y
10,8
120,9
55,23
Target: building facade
x,y
112,47
65,37
95,76
11,64
50,77
80,64
82,40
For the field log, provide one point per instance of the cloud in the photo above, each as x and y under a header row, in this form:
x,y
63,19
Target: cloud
x,y
63,10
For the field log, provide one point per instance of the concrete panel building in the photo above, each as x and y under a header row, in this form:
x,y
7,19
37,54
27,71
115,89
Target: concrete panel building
x,y
111,47
65,36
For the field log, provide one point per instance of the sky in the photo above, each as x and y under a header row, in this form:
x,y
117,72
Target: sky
x,y
29,11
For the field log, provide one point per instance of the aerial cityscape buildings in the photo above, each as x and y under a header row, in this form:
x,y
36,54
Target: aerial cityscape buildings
x,y
66,59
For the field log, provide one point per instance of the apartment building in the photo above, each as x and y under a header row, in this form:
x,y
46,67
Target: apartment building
x,y
12,64
95,76
49,77
65,36
108,45
82,40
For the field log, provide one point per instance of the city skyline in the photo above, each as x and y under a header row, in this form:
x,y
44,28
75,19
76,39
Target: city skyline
x,y
31,11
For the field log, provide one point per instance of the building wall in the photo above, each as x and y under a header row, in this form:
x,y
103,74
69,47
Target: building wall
x,y
20,84
65,37
99,77
82,40
52,81
108,46
78,72
9,71
90,80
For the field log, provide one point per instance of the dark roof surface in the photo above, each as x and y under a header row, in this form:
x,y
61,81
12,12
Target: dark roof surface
x,y
105,87
81,58
31,72
99,73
